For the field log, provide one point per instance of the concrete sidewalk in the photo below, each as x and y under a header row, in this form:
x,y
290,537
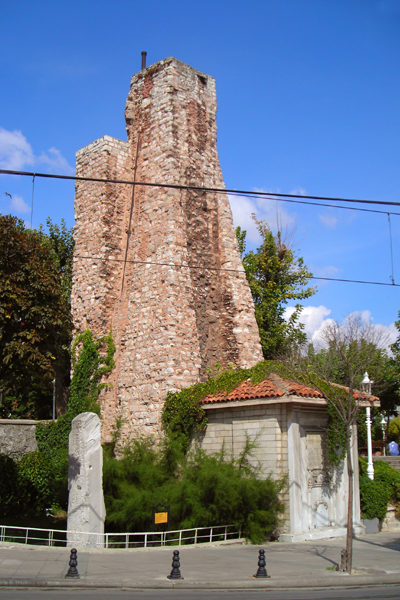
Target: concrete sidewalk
x,y
306,564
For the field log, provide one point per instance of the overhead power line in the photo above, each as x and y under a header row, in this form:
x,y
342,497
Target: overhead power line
x,y
269,195
295,198
356,281
357,208
207,268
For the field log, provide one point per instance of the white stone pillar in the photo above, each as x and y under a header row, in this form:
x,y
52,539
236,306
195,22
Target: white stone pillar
x,y
370,468
86,510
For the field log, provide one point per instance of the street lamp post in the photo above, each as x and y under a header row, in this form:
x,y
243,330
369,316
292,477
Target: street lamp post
x,y
54,399
366,388
383,425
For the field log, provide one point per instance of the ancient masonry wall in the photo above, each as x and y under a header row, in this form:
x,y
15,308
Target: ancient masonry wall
x,y
17,437
148,260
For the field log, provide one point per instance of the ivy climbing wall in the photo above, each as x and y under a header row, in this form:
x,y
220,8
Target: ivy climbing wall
x,y
159,266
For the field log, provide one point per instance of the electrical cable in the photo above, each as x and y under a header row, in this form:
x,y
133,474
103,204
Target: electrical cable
x,y
391,247
33,191
242,272
269,195
129,231
357,208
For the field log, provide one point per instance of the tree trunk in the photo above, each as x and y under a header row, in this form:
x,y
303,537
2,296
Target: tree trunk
x,y
350,473
61,392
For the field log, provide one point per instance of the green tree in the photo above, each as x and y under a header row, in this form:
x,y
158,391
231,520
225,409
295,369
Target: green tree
x,y
276,275
202,489
35,318
352,347
62,243
394,370
382,370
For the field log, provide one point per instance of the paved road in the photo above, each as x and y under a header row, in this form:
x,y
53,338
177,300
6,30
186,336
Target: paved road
x,y
376,593
302,565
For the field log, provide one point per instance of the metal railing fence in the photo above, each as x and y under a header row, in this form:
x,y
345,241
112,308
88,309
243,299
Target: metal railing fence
x,y
58,537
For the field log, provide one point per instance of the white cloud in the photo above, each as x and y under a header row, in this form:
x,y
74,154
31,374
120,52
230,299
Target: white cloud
x,y
388,333
266,209
15,150
18,205
242,209
315,320
55,159
298,192
328,220
328,271
384,334
16,154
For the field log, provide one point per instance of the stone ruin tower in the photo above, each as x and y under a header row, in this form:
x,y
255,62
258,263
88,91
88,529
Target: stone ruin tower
x,y
160,267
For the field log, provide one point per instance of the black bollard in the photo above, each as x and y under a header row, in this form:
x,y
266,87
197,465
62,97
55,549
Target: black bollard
x,y
261,571
73,563
175,573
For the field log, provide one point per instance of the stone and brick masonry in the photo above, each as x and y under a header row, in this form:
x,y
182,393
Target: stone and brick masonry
x,y
160,267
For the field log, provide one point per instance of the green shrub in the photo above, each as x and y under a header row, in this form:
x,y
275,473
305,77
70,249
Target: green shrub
x,y
377,493
394,430
202,490
94,359
9,489
36,480
374,498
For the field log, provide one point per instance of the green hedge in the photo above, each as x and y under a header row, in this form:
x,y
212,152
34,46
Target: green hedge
x,y
376,494
203,490
9,488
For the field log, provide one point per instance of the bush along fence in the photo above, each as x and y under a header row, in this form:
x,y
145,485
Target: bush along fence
x,y
202,490
376,494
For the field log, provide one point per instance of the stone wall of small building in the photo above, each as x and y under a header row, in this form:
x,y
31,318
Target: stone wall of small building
x,y
290,442
229,428
160,267
17,437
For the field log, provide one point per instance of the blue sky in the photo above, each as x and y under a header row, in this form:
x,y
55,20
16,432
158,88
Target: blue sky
x,y
308,102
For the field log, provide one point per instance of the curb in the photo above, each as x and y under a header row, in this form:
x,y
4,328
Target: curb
x,y
18,546
331,581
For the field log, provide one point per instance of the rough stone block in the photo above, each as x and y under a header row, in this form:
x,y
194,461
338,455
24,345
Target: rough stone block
x,y
86,510
17,437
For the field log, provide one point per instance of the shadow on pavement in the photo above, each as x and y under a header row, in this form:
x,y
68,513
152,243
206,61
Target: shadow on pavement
x,y
390,545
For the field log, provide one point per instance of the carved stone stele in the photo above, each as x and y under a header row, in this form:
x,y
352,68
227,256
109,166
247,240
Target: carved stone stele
x,y
86,510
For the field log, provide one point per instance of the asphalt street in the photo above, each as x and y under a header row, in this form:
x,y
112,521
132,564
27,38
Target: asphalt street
x,y
379,593
212,571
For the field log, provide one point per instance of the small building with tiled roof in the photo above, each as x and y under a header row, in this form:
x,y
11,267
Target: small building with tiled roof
x,y
288,422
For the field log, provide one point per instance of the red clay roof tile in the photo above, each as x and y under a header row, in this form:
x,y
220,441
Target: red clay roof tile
x,y
273,387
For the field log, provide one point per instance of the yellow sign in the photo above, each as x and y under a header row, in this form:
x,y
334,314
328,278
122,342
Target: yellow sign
x,y
161,517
